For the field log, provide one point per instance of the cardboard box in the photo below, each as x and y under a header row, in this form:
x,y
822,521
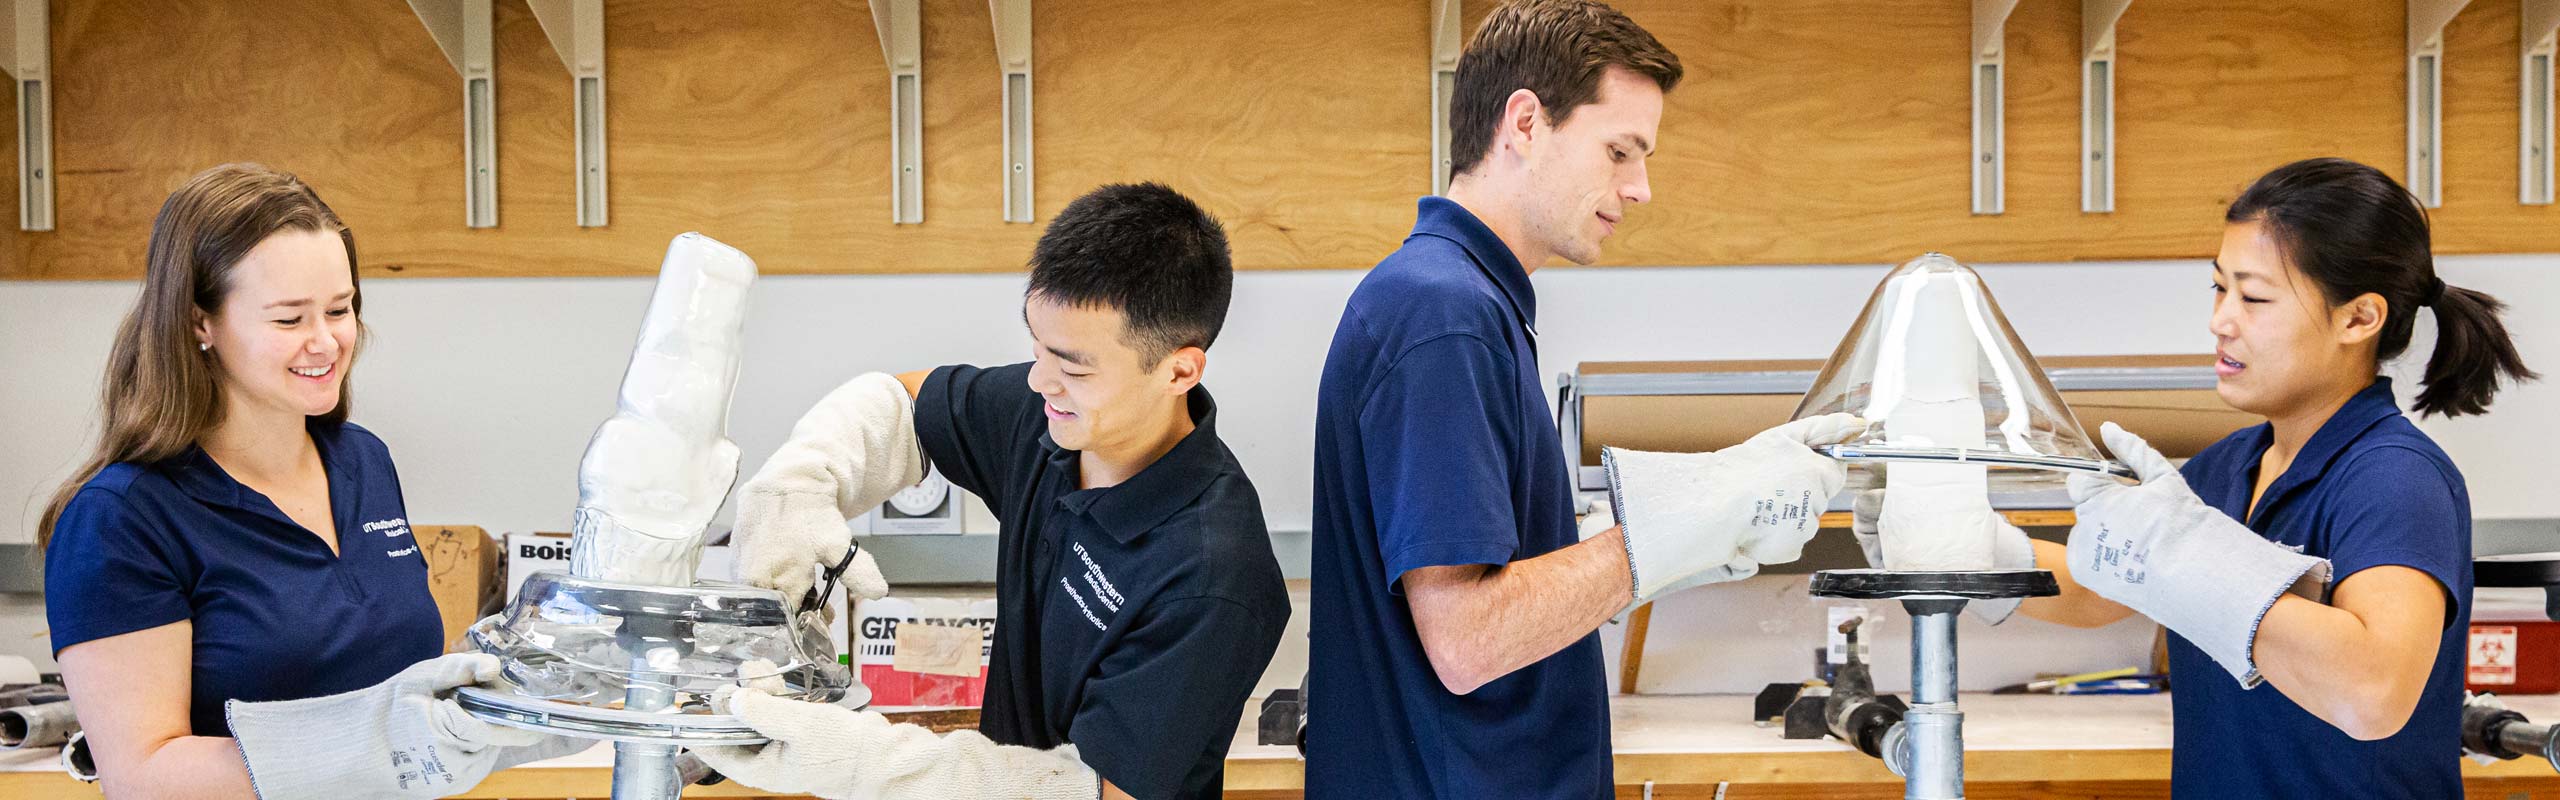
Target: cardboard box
x,y
528,553
462,574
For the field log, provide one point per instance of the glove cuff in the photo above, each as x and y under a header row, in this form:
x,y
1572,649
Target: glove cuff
x,y
306,748
1633,523
2291,569
266,750
600,545
1618,513
2215,586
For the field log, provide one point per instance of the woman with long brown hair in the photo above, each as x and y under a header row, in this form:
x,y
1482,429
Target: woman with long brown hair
x,y
235,599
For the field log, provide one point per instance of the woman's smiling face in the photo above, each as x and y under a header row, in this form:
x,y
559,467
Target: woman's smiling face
x,y
286,332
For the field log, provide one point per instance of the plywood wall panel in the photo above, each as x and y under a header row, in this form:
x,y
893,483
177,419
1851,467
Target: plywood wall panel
x,y
1809,131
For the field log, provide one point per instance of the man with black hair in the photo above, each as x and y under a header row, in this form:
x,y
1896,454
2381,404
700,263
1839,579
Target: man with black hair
x,y
1137,591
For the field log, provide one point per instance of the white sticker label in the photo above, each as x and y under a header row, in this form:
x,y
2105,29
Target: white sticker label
x,y
2493,655
1838,650
937,649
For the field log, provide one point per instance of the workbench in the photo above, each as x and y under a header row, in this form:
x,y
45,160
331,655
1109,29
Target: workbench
x,y
2017,746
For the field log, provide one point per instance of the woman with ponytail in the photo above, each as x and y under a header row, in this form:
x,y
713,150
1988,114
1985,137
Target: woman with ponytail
x,y
235,599
2314,572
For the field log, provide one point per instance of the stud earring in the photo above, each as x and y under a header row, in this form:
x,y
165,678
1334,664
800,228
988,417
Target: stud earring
x,y
203,346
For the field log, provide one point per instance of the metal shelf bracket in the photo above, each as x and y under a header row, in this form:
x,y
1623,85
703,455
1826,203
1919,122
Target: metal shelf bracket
x,y
1447,40
576,30
901,45
2540,46
2098,103
26,53
2427,19
1013,58
461,29
1990,134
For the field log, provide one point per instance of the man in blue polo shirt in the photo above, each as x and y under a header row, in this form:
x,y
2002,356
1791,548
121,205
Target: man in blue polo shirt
x,y
1138,596
1454,652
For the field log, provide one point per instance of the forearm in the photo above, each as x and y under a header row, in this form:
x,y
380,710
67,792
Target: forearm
x,y
1479,623
2076,606
2330,662
185,768
132,691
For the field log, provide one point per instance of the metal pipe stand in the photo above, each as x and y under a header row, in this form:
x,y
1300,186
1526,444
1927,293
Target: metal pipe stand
x,y
1927,747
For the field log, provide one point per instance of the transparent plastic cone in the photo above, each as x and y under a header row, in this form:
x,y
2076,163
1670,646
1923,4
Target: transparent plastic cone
x,y
1934,368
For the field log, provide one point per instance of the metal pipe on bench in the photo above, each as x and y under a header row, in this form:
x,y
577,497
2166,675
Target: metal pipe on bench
x,y
30,727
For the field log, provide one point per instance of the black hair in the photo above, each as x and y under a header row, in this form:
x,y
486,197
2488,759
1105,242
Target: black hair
x,y
2353,231
1146,250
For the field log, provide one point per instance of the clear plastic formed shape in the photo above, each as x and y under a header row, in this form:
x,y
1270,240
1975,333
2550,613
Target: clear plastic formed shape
x,y
578,650
1940,377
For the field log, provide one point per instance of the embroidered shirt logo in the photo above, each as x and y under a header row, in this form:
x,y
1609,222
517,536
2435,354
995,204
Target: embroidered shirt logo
x,y
393,528
1080,604
1101,583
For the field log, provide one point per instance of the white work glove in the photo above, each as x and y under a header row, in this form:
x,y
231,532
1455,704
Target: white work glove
x,y
2159,550
2010,549
400,738
853,450
1695,517
839,753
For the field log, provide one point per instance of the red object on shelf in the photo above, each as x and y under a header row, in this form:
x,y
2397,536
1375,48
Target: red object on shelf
x,y
875,650
2520,656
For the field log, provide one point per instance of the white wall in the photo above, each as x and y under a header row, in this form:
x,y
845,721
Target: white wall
x,y
487,389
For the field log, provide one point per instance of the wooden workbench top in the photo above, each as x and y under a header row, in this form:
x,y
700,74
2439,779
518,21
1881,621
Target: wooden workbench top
x,y
1690,740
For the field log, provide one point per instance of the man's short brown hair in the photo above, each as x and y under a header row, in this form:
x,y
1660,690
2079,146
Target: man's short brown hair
x,y
1557,49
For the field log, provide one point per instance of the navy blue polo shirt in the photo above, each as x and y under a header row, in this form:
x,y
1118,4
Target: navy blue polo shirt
x,y
1435,447
1132,620
2368,490
277,615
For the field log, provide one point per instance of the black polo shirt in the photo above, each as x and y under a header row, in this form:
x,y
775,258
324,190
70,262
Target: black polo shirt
x,y
1133,620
